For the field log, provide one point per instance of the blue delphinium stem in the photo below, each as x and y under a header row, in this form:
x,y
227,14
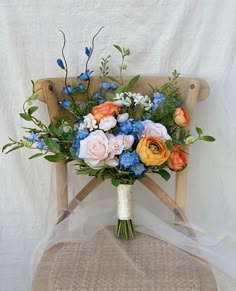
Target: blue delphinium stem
x,y
66,66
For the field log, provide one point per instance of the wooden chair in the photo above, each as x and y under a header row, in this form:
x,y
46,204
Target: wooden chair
x,y
194,274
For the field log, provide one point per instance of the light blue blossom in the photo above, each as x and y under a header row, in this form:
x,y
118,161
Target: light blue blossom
x,y
85,76
126,159
97,95
113,86
138,169
41,145
138,127
81,134
33,137
105,86
65,103
158,98
126,127
81,87
68,90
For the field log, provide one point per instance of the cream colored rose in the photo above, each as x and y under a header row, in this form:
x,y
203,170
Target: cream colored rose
x,y
155,129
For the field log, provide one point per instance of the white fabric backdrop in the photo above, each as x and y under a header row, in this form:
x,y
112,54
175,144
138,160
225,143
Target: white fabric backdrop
x,y
197,37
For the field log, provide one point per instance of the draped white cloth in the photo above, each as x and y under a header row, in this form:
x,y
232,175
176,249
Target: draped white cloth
x,y
196,37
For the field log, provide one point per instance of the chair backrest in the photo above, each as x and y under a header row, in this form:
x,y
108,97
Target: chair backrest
x,y
191,89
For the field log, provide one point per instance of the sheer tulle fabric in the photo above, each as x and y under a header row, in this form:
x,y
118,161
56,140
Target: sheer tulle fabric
x,y
93,215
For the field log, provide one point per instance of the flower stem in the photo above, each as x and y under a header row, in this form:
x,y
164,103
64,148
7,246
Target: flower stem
x,y
125,229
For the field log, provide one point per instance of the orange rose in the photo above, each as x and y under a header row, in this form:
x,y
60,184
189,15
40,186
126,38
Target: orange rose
x,y
181,117
104,110
178,158
152,151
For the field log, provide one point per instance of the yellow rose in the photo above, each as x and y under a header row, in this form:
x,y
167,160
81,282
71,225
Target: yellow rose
x,y
152,151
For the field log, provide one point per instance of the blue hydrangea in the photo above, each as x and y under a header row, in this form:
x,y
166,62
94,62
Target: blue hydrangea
x,y
138,169
77,151
41,145
81,134
85,76
158,98
138,127
60,64
65,103
88,51
33,137
68,90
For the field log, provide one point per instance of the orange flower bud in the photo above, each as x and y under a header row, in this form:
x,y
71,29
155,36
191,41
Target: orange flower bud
x,y
152,151
181,117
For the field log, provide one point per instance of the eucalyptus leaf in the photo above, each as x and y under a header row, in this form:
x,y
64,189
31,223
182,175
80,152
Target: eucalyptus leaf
x,y
113,79
115,182
15,148
7,145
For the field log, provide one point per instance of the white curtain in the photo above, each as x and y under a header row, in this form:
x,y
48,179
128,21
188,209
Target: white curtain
x,y
196,37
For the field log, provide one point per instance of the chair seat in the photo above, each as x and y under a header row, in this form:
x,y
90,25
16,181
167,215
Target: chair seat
x,y
107,264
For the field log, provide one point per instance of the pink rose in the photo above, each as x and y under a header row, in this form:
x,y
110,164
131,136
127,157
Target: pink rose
x,y
155,129
107,123
94,149
119,143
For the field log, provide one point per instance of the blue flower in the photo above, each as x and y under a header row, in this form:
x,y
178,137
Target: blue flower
x,y
138,169
113,86
41,145
126,127
65,103
77,152
33,137
126,159
85,76
60,63
81,134
75,143
68,90
138,127
88,51
105,86
158,98
81,87
147,116
101,101
135,158
97,95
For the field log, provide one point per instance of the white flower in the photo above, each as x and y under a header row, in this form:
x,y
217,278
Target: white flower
x,y
122,117
143,100
89,123
107,123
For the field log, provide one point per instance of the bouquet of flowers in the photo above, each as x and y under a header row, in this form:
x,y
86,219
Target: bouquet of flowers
x,y
114,133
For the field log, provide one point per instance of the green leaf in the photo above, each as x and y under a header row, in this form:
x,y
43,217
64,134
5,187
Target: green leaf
x,y
113,79
121,89
169,144
58,131
118,48
164,174
110,96
132,82
55,158
32,109
34,97
115,182
199,131
151,87
15,148
53,145
7,145
36,156
25,116
207,138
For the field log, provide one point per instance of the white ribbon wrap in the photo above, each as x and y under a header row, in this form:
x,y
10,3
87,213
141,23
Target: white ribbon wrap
x,y
124,202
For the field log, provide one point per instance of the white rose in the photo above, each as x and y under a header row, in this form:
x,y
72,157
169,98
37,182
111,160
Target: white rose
x,y
107,123
155,129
